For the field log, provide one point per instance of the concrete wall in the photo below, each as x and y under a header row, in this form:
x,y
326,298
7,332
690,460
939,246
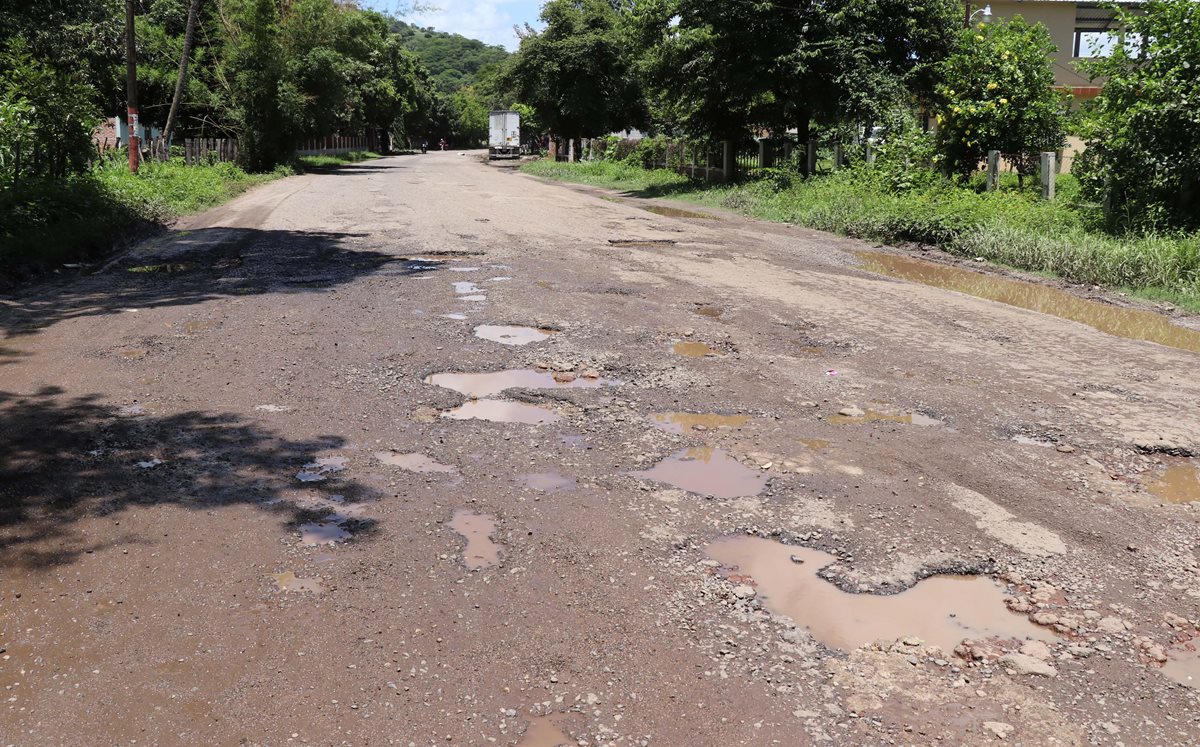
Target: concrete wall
x,y
1059,18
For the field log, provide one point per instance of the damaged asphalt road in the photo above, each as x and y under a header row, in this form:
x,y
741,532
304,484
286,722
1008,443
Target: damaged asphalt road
x,y
427,452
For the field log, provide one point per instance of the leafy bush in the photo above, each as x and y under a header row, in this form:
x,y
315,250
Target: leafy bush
x,y
1143,131
997,93
53,220
46,117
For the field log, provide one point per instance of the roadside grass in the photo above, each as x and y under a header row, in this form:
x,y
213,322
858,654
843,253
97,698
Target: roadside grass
x,y
337,159
1009,227
45,224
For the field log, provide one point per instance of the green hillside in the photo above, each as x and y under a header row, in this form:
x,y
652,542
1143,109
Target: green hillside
x,y
453,60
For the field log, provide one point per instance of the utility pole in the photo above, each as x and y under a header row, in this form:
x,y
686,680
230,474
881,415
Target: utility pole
x,y
131,118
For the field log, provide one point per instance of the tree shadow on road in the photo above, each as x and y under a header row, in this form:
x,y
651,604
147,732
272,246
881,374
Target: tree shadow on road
x,y
66,459
189,267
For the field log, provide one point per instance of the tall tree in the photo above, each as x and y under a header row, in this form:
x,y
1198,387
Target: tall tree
x,y
1143,131
997,93
576,75
189,36
721,68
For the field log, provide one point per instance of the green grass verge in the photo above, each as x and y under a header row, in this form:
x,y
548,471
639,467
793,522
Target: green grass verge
x,y
1012,228
44,224
337,159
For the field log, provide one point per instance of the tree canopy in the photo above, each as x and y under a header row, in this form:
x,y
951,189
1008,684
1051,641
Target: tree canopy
x,y
577,75
1143,131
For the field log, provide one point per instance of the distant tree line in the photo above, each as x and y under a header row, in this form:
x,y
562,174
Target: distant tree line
x,y
858,70
271,73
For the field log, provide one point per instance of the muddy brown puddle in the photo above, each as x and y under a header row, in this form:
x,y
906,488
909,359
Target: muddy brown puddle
x,y
1180,483
940,610
694,350
491,383
712,312
502,411
1183,666
477,530
1134,324
543,733
511,335
706,471
671,212
547,482
418,463
289,581
679,422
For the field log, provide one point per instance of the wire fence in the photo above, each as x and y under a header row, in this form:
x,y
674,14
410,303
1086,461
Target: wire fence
x,y
208,150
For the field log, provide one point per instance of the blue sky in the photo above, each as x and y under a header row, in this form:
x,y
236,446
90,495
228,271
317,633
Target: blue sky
x,y
489,21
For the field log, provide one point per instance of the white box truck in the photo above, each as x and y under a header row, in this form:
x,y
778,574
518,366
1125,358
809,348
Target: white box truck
x,y
504,134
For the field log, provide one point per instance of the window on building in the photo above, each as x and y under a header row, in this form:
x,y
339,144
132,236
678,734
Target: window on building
x,y
1090,43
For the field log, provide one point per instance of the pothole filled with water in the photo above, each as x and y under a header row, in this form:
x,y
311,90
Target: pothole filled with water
x,y
547,482
413,462
712,312
679,422
512,335
465,287
695,350
940,610
494,382
1134,324
502,411
477,530
875,416
330,530
1179,483
319,470
706,471
671,212
641,243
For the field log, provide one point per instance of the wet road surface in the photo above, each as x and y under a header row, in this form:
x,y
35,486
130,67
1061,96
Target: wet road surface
x,y
424,451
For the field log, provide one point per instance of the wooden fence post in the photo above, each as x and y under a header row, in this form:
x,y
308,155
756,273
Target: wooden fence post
x,y
993,170
1049,174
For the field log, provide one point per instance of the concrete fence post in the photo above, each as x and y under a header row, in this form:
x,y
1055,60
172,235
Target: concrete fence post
x,y
1049,174
838,156
571,150
868,153
764,156
810,161
993,170
728,162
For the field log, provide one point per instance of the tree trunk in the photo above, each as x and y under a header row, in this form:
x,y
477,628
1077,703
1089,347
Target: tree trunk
x,y
181,81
